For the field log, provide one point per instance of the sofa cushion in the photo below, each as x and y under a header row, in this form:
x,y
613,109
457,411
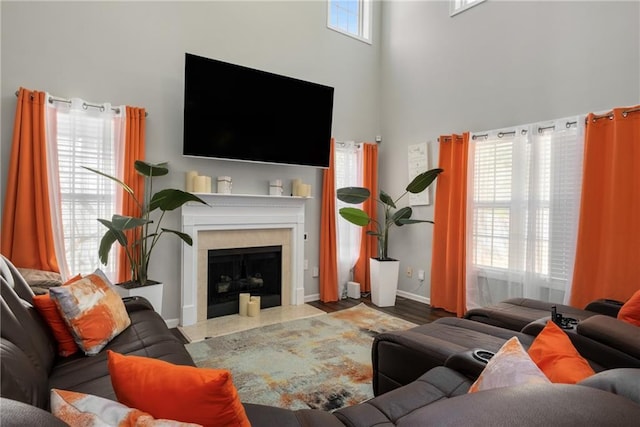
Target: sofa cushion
x,y
510,366
93,310
49,311
164,390
79,408
554,354
147,335
630,310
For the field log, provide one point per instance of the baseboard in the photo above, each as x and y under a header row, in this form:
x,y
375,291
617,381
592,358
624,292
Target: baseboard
x,y
414,297
172,323
311,298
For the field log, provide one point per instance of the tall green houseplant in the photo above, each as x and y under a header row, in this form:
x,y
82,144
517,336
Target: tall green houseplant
x,y
145,230
392,215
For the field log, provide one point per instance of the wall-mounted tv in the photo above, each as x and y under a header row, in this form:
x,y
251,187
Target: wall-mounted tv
x,y
239,113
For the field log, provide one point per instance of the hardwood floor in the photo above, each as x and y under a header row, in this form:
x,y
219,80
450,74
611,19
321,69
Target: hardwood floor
x,y
412,311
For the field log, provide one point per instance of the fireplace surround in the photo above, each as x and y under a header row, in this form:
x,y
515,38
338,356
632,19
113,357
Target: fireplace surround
x,y
240,221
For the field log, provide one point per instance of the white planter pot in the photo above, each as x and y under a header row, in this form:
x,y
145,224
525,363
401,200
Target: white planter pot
x,y
384,282
151,292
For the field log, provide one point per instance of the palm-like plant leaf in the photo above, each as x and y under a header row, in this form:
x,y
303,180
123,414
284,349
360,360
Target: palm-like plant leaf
x,y
184,236
353,195
170,199
150,169
386,199
121,222
112,178
355,216
422,181
401,214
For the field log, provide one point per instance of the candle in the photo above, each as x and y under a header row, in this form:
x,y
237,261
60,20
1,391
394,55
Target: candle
x,y
256,299
304,190
199,184
294,187
189,180
207,184
244,301
253,308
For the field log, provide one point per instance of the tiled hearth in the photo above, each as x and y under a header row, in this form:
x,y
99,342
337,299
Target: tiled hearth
x,y
232,221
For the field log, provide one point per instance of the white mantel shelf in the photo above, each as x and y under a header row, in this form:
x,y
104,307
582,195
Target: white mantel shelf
x,y
240,212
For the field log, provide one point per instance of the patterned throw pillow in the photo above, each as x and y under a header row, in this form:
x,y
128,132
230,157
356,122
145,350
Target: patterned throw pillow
x,y
93,310
510,366
79,409
164,390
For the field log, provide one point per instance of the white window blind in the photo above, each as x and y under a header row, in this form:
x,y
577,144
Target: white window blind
x,y
523,211
84,136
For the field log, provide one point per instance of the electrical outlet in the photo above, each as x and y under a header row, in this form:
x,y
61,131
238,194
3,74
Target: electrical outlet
x,y
409,271
316,272
420,274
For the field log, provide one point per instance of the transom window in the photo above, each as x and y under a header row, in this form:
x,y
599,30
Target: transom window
x,y
350,17
457,6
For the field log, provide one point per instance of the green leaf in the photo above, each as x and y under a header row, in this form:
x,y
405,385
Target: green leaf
x,y
401,214
107,241
120,222
122,239
353,195
386,199
413,221
422,181
150,169
185,237
355,216
170,199
122,184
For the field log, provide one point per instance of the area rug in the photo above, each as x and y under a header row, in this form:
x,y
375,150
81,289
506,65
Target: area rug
x,y
323,362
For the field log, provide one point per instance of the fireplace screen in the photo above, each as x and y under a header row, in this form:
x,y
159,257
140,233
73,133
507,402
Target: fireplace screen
x,y
254,270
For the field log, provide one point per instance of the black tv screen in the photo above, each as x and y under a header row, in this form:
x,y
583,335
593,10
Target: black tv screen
x,y
240,113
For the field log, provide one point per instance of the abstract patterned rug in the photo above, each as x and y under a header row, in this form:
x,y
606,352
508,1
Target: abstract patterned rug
x,y
323,362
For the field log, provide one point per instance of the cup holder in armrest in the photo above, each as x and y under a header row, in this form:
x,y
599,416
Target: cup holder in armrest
x,y
482,355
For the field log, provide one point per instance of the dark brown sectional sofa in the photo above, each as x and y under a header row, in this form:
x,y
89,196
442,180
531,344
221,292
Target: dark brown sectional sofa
x,y
30,368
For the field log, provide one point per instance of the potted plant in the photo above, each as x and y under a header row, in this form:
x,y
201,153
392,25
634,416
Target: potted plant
x,y
383,269
145,232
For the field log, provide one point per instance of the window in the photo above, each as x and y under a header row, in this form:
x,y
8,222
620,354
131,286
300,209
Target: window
x,y
85,137
523,211
351,17
457,6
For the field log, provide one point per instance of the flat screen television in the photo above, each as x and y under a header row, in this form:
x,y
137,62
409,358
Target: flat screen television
x,y
239,113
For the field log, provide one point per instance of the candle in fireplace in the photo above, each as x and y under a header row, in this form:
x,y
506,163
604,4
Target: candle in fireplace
x,y
244,301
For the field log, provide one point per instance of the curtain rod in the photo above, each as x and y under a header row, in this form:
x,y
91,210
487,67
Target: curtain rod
x,y
85,105
609,115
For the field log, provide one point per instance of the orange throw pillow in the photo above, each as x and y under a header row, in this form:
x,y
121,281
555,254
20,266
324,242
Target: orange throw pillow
x,y
176,392
556,356
630,311
48,309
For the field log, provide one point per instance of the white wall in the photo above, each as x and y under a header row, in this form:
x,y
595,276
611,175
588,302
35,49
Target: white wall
x,y
498,64
133,53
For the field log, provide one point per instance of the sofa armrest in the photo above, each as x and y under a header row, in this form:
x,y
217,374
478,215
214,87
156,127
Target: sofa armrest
x,y
19,414
622,381
612,332
608,307
466,364
136,303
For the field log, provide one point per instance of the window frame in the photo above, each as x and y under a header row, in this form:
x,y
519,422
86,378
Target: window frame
x,y
365,20
464,5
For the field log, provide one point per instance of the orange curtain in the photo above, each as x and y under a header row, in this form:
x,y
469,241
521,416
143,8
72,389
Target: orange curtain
x,y
368,244
448,259
328,249
134,150
27,237
608,246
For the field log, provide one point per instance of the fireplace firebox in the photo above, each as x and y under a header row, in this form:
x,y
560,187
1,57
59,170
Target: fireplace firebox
x,y
255,270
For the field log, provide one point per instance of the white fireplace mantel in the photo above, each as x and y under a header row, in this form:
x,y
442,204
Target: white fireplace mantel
x,y
240,212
